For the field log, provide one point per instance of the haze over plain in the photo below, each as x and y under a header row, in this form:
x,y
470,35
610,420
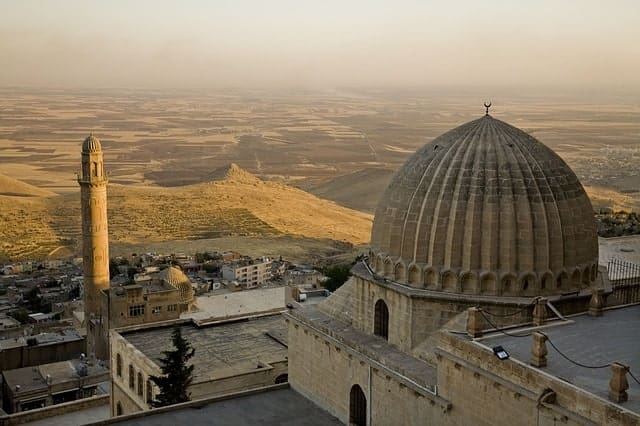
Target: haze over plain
x,y
331,96
573,44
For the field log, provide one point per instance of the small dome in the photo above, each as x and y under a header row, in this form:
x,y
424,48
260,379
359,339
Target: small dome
x,y
178,280
91,144
486,209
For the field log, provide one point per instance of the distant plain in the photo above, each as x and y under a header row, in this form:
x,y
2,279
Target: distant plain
x,y
342,145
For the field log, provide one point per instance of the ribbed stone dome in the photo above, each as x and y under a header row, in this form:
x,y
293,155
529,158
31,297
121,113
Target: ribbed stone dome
x,y
177,279
91,144
486,209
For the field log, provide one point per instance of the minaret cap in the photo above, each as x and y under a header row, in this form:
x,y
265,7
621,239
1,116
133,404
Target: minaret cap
x,y
91,144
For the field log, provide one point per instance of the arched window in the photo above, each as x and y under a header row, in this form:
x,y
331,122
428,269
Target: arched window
x,y
414,275
381,320
283,378
388,268
132,378
357,407
94,169
575,278
149,392
140,384
118,409
119,365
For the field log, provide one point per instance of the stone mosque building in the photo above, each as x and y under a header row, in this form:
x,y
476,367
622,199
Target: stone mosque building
x,y
483,227
483,252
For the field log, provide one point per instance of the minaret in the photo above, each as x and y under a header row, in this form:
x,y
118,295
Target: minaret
x,y
95,243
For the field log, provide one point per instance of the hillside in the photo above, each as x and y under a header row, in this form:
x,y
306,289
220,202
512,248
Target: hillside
x,y
354,190
13,187
238,205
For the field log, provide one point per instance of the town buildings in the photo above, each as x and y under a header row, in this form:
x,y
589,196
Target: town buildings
x,y
248,272
230,356
37,387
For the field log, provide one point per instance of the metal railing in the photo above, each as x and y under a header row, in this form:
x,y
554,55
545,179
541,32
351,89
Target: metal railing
x,y
625,280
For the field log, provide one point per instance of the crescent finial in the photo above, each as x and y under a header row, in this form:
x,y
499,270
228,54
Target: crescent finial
x,y
487,106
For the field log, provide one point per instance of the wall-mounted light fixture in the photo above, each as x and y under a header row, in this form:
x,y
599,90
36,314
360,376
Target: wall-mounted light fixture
x,y
500,353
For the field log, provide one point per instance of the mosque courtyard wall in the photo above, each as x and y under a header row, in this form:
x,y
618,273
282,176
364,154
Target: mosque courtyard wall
x,y
324,370
486,391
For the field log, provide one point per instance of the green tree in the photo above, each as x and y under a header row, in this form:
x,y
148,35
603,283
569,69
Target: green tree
x,y
176,374
337,274
20,314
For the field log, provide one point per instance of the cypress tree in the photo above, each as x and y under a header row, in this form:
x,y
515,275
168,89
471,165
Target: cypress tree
x,y
176,374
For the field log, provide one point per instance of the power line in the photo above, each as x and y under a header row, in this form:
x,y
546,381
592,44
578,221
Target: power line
x,y
502,330
508,315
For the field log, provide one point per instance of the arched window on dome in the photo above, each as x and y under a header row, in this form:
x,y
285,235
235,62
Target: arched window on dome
x,y
381,320
508,285
357,407
430,278
488,284
399,272
388,268
576,278
528,284
379,265
562,281
449,281
468,283
585,276
546,283
414,275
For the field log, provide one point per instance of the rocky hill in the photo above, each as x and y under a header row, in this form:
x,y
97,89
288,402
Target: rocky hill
x,y
13,187
237,204
354,190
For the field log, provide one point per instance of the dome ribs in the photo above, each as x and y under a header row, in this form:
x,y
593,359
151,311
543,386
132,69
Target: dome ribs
x,y
444,221
553,218
456,226
536,251
412,216
512,218
487,209
472,240
490,208
423,244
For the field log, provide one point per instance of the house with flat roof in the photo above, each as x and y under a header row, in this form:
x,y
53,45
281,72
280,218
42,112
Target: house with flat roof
x,y
230,356
37,387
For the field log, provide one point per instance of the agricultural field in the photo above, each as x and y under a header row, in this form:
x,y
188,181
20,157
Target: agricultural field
x,y
164,149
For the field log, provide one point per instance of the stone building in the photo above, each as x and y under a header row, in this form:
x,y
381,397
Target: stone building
x,y
43,348
95,244
31,388
177,279
481,229
248,272
136,304
230,356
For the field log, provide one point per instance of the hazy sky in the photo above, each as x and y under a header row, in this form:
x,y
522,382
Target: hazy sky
x,y
320,43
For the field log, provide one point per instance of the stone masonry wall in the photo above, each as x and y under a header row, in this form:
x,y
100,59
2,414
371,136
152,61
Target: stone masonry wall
x,y
486,391
324,372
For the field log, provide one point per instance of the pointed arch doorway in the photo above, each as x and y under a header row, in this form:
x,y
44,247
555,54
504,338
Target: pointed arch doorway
x,y
357,407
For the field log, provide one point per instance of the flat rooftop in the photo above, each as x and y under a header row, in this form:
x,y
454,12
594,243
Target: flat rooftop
x,y
592,341
276,407
220,349
32,378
